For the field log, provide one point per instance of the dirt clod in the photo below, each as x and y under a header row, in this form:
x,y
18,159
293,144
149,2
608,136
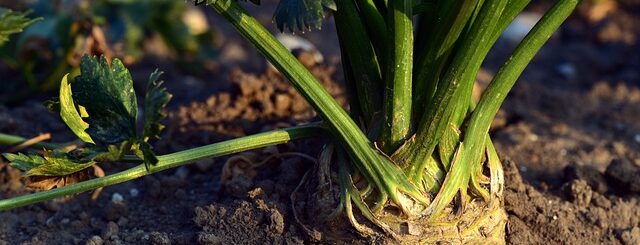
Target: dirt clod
x,y
580,193
594,178
243,222
159,238
206,238
631,236
625,175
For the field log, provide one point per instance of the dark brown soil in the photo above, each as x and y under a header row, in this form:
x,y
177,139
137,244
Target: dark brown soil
x,y
570,142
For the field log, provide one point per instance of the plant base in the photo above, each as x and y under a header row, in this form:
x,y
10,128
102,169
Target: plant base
x,y
317,197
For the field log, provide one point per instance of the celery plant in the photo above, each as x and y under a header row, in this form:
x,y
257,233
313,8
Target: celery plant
x,y
416,140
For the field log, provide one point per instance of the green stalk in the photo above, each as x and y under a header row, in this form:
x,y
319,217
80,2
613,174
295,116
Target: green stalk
x,y
437,36
462,69
397,97
513,8
450,139
470,150
361,57
376,27
6,139
379,170
169,161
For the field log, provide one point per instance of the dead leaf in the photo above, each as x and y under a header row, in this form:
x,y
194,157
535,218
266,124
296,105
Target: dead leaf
x,y
45,183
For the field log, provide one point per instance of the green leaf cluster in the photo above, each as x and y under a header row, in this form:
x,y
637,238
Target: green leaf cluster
x,y
51,163
101,109
12,22
301,15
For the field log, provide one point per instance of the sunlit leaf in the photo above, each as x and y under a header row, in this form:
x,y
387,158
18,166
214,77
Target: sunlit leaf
x,y
50,164
106,92
69,112
155,101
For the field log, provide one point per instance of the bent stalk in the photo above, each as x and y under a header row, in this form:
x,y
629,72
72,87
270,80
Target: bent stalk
x,y
170,161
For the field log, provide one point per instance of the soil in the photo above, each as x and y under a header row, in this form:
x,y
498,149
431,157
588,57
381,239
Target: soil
x,y
568,136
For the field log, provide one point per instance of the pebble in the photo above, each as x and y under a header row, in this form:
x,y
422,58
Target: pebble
x,y
133,192
117,198
523,169
159,238
95,240
111,230
631,236
49,222
209,239
567,70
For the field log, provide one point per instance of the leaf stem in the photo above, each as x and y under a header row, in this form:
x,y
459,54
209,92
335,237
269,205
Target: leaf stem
x,y
462,70
170,161
397,97
7,139
470,150
361,57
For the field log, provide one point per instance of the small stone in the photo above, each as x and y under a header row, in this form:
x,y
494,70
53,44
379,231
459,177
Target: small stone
x,y
117,198
631,237
414,229
523,169
110,231
133,192
624,174
580,193
95,240
276,222
206,238
282,103
49,222
159,238
567,70
601,201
